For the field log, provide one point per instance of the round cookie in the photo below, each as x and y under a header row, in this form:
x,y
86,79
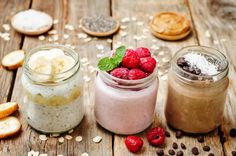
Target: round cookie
x,y
7,109
99,26
31,22
170,26
9,126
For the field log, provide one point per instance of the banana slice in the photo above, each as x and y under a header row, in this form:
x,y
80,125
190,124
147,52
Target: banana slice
x,y
62,63
8,108
9,126
13,60
41,65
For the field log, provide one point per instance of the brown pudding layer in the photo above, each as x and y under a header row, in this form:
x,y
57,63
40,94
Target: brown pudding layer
x,y
196,98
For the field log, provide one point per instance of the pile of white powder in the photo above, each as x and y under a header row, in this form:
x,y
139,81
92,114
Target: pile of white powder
x,y
201,62
32,20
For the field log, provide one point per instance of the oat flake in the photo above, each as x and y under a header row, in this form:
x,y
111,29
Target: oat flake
x,y
78,139
43,137
97,139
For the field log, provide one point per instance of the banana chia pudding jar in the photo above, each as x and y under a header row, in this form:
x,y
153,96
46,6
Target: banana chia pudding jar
x,y
197,89
53,89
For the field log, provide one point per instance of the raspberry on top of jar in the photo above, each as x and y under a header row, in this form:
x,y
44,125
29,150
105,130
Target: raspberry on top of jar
x,y
129,64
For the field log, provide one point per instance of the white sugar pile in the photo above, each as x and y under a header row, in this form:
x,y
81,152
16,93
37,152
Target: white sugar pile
x,y
32,20
201,62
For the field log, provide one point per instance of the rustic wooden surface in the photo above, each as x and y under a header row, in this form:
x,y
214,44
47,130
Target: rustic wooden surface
x,y
218,17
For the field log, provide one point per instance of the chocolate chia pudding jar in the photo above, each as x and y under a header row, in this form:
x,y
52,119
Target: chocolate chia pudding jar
x,y
53,89
125,106
197,89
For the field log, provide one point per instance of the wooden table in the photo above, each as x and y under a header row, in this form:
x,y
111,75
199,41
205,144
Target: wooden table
x,y
213,24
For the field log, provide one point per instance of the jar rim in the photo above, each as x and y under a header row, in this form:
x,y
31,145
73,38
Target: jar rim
x,y
127,84
50,46
222,57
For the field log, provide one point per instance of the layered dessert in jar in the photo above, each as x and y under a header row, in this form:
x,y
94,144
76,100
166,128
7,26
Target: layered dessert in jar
x,y
126,91
197,89
53,89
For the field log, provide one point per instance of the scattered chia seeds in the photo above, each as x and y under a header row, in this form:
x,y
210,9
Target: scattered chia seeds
x,y
183,146
200,139
232,132
99,23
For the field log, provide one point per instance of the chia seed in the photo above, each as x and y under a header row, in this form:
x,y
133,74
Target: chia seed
x,y
99,23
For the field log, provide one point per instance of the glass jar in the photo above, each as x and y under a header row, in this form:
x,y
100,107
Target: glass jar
x,y
125,106
195,103
53,106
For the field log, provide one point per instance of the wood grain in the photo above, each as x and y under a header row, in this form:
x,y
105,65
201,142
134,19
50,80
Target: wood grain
x,y
142,10
219,18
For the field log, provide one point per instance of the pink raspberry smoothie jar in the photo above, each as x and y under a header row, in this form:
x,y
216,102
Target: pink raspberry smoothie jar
x,y
125,106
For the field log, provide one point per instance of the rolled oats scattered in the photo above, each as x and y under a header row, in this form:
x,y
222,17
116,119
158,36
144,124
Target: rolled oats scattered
x,y
43,154
140,23
123,27
85,154
86,78
87,39
70,131
78,139
69,27
43,137
66,36
97,139
55,21
52,32
68,137
109,40
84,59
207,33
133,19
100,46
82,35
41,37
6,27
126,19
61,139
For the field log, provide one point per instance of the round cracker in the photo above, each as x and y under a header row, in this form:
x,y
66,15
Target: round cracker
x,y
8,108
9,126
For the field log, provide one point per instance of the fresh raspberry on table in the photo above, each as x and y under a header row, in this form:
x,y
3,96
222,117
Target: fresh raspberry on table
x,y
131,59
135,74
133,143
143,52
156,136
121,73
147,64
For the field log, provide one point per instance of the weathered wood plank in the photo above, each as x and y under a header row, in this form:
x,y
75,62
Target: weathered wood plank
x,y
9,8
219,19
142,10
67,12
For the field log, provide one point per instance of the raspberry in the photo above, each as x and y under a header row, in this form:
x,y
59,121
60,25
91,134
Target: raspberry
x,y
147,64
143,52
133,143
131,59
135,74
156,136
121,73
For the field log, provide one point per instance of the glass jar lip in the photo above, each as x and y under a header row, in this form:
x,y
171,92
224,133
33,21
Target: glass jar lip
x,y
127,84
175,57
49,46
